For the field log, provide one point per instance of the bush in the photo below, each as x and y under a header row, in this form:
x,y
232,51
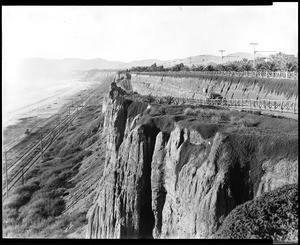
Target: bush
x,y
224,117
149,98
273,215
189,112
21,195
67,150
169,99
248,122
42,209
91,141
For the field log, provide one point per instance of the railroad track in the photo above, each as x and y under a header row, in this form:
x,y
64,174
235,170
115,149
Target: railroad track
x,y
33,146
18,168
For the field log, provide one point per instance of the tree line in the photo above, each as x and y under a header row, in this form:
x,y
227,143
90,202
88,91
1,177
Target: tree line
x,y
277,62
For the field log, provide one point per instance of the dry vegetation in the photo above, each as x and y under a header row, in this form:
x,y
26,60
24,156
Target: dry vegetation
x,y
37,208
273,215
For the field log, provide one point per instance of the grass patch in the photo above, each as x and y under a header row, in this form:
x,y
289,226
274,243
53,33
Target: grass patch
x,y
34,210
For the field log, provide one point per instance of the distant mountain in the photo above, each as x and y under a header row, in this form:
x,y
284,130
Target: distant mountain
x,y
210,59
34,68
143,63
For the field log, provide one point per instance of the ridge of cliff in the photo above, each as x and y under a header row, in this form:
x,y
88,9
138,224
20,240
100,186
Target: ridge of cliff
x,y
178,171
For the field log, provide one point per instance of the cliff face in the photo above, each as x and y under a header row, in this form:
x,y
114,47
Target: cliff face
x,y
192,87
179,183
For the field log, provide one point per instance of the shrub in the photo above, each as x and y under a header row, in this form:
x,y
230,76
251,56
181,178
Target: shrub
x,y
189,112
36,171
42,209
216,119
160,101
224,116
68,149
169,99
91,141
248,122
22,195
273,215
149,98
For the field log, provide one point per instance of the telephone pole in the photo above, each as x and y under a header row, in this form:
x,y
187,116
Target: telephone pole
x,y
6,175
222,51
254,53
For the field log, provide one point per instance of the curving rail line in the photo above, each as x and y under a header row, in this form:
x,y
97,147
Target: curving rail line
x,y
34,154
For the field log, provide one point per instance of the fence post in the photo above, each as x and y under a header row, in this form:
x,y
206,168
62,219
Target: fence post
x,y
286,75
281,106
6,175
294,107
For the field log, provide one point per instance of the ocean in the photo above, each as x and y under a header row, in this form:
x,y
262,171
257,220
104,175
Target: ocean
x,y
22,98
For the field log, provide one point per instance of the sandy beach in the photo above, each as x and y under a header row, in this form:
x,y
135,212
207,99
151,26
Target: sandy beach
x,y
15,123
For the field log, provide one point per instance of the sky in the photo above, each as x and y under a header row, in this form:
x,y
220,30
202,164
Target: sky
x,y
127,33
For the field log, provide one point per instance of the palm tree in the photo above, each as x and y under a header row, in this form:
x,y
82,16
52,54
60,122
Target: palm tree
x,y
209,68
260,67
292,66
246,65
272,66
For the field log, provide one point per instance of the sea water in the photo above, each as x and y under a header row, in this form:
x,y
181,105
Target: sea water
x,y
19,98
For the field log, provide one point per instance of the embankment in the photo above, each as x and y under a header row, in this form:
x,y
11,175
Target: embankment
x,y
177,172
229,87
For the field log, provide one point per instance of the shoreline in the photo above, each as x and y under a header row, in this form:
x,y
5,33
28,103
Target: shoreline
x,y
15,123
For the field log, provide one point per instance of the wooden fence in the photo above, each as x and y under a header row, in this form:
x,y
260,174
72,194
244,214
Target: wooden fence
x,y
259,74
261,104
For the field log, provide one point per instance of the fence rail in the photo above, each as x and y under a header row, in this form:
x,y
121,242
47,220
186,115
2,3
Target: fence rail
x,y
259,74
261,104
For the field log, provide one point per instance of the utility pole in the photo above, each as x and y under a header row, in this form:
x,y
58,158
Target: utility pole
x,y
254,53
222,51
5,159
190,58
23,182
58,119
41,146
68,118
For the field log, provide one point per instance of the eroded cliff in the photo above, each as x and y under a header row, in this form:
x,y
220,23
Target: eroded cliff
x,y
173,173
228,87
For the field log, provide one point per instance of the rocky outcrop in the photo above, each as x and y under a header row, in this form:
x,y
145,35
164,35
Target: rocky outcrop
x,y
178,184
123,207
